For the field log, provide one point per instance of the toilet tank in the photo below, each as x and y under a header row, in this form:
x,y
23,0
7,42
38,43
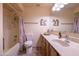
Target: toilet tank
x,y
29,36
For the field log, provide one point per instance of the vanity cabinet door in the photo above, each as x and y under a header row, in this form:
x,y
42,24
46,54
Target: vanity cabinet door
x,y
53,51
47,49
50,51
41,46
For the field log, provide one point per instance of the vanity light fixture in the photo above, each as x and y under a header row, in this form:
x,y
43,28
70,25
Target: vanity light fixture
x,y
61,6
58,6
56,9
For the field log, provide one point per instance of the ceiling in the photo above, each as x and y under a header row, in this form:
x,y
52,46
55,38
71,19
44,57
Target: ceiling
x,y
70,6
37,4
48,4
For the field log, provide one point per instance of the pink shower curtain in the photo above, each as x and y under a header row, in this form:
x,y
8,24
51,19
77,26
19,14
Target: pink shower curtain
x,y
23,37
76,24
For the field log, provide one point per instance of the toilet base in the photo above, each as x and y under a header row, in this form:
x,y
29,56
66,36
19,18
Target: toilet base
x,y
29,51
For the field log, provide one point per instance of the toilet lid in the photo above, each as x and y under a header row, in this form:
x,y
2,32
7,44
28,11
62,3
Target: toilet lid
x,y
28,43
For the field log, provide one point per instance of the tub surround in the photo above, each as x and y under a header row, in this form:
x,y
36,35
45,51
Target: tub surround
x,y
13,51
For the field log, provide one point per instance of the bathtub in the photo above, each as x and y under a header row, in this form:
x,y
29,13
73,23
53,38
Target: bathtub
x,y
13,51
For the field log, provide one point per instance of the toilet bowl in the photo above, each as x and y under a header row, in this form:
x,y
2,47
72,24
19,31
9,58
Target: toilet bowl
x,y
28,45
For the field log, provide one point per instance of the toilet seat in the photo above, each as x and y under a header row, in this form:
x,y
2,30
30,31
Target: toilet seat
x,y
28,43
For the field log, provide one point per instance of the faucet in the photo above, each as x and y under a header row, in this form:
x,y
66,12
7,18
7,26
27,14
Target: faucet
x,y
60,35
48,31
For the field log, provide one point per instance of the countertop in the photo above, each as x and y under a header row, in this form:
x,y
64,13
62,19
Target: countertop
x,y
71,50
71,34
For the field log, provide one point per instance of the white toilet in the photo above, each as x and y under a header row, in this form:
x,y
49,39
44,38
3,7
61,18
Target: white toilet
x,y
28,45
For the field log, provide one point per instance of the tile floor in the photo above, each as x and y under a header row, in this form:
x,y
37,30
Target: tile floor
x,y
33,52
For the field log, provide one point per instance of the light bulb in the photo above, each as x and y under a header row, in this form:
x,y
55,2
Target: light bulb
x,y
58,9
56,5
61,6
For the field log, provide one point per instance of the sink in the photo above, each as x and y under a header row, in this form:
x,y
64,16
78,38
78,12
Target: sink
x,y
62,42
74,40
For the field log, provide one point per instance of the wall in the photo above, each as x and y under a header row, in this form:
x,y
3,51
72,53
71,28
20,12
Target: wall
x,y
66,19
1,29
76,9
33,15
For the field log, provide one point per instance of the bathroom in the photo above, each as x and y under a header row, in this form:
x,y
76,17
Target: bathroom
x,y
29,27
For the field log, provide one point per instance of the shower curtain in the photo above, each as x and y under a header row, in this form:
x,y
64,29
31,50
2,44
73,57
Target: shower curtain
x,y
76,24
23,37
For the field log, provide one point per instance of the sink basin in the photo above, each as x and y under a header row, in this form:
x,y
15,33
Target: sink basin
x,y
62,42
74,40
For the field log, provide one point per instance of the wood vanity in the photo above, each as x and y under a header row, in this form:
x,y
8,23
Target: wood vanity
x,y
49,47
45,49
